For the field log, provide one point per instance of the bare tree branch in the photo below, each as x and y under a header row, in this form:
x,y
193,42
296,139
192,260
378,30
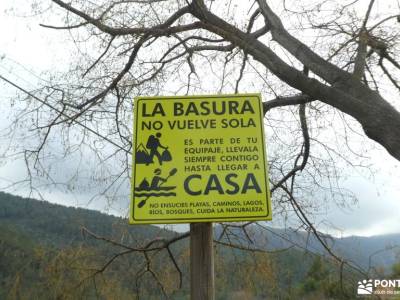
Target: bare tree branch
x,y
359,64
285,101
162,29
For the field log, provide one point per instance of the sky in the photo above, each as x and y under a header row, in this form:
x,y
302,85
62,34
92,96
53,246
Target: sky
x,y
27,49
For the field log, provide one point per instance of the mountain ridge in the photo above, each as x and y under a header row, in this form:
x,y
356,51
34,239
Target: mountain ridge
x,y
42,245
354,248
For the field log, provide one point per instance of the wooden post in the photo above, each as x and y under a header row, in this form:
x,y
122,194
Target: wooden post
x,y
201,262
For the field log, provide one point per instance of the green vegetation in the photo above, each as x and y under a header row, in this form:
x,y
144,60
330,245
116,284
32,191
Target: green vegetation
x,y
45,254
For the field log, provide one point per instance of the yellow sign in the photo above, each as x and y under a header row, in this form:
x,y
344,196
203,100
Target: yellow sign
x,y
199,159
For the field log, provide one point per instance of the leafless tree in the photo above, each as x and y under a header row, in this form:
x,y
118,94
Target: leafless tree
x,y
320,65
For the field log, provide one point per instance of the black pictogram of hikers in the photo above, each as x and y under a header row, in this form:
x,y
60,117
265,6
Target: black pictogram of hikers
x,y
145,155
155,188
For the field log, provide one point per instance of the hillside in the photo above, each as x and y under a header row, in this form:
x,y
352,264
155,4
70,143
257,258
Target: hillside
x,y
367,252
45,255
59,226
42,247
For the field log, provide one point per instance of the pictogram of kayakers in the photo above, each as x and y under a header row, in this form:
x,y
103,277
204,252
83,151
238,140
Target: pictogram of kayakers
x,y
156,188
145,155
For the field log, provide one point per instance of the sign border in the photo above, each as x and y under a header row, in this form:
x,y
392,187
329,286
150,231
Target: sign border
x,y
267,217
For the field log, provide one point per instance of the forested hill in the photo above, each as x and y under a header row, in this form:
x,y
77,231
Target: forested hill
x,y
45,254
381,251
59,226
